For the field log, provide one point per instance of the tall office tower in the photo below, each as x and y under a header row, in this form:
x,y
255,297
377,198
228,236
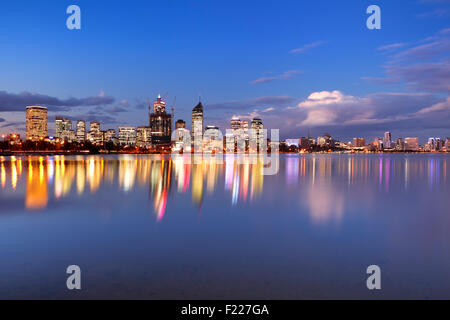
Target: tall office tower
x,y
59,126
244,128
36,123
235,125
359,142
387,141
81,131
62,125
95,135
197,125
143,137
160,122
127,136
257,135
412,144
180,124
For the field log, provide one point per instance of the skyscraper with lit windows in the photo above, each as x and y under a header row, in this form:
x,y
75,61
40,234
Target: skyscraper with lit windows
x,y
36,123
160,122
197,125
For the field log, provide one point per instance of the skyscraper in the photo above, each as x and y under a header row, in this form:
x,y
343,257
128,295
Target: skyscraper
x,y
81,131
36,123
387,141
257,135
143,137
61,125
95,135
197,125
160,122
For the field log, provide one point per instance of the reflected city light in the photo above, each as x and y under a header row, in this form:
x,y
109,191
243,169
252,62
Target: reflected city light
x,y
48,179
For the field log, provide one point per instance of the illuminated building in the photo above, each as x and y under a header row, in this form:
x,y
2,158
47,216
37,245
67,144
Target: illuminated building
x,y
359,142
197,125
324,141
61,125
239,129
447,144
68,135
212,140
387,140
143,137
257,142
95,135
160,122
180,124
36,123
81,131
127,136
109,135
412,144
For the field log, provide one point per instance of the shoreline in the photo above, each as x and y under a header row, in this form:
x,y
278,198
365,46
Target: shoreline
x,y
87,153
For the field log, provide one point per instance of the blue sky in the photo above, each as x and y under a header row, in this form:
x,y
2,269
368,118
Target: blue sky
x,y
299,65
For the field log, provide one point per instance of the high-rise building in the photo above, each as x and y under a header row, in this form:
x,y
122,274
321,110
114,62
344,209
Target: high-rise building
x,y
197,125
36,123
447,144
143,137
81,131
61,125
239,129
95,135
160,122
127,136
359,142
387,141
257,142
412,144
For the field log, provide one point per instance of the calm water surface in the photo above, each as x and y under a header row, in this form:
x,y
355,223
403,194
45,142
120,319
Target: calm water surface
x,y
152,227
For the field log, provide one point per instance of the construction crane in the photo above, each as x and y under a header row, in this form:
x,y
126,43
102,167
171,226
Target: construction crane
x,y
173,112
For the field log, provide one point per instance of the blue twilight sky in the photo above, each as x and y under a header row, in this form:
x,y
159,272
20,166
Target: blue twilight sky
x,y
298,65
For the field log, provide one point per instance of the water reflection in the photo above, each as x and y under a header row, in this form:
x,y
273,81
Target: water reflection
x,y
321,183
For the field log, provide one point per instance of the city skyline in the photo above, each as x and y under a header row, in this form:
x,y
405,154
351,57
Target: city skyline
x,y
327,73
159,132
